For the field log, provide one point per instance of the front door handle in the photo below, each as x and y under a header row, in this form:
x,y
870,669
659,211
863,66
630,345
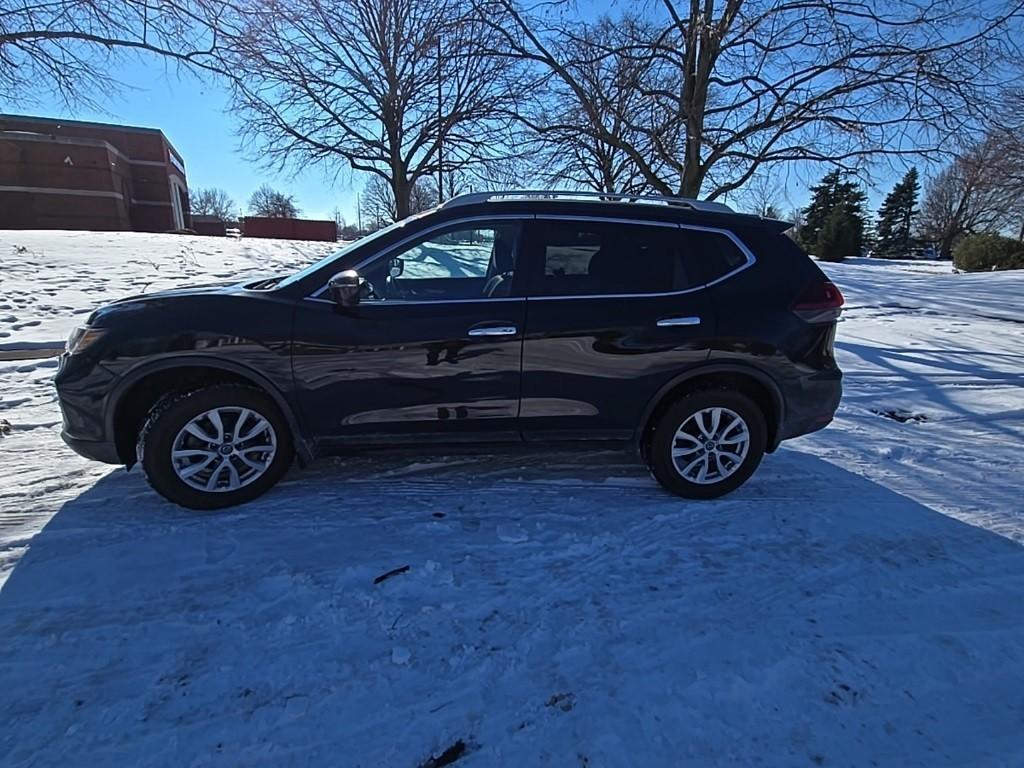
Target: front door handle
x,y
672,322
494,330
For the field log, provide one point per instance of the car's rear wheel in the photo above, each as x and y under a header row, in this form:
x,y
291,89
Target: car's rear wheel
x,y
707,444
215,447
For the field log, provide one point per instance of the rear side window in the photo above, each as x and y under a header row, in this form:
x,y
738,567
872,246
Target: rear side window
x,y
585,258
710,255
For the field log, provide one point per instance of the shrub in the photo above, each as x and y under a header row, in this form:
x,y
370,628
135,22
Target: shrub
x,y
986,253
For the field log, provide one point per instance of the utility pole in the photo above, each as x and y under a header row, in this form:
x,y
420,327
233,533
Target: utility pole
x,y
359,214
440,133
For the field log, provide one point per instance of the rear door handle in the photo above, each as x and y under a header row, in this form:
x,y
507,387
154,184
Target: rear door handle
x,y
494,330
671,322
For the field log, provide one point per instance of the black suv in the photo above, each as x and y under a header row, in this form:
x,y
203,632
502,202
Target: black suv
x,y
697,336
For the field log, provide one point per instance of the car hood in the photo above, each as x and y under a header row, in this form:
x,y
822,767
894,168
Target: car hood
x,y
164,297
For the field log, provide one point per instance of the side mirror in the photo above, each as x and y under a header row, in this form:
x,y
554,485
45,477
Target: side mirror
x,y
396,267
345,288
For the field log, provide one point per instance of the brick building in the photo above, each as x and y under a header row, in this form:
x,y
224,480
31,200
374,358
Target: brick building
x,y
66,174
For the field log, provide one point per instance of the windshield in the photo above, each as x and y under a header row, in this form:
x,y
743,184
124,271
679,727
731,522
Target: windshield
x,y
307,271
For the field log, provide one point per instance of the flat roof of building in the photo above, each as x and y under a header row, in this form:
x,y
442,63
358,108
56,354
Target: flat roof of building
x,y
87,123
59,121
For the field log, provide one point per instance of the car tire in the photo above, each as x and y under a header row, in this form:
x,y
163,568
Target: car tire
x,y
688,439
193,454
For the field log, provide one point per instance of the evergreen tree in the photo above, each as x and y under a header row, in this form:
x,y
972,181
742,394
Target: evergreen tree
x,y
823,200
869,238
832,198
839,237
896,217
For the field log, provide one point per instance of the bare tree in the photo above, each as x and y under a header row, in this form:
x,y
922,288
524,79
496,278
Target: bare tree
x,y
762,196
422,198
796,216
400,89
267,201
377,201
65,48
979,191
376,206
1010,130
569,138
728,88
211,202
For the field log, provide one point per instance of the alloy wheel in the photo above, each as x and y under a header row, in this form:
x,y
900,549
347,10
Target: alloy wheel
x,y
224,449
710,445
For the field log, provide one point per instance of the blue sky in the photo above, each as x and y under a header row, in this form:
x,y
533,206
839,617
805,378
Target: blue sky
x,y
192,114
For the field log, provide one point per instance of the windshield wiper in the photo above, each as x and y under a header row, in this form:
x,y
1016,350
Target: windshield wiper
x,y
262,285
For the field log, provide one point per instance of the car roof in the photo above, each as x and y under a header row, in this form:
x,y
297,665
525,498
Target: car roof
x,y
591,204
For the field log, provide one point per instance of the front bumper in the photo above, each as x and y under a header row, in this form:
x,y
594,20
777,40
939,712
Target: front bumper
x,y
81,387
95,450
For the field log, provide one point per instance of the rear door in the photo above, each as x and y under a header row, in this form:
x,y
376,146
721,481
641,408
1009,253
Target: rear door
x,y
615,311
433,353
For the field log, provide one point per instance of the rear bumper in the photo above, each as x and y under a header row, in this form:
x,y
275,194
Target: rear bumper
x,y
93,449
811,403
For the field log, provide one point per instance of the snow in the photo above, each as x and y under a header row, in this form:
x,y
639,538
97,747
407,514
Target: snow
x,y
49,280
947,347
860,601
449,260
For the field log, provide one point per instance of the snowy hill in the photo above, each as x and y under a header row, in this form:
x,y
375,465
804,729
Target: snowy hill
x,y
860,601
48,279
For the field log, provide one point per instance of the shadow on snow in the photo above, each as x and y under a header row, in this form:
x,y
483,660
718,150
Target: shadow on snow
x,y
814,616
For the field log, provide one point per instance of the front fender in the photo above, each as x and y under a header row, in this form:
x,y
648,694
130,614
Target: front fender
x,y
170,362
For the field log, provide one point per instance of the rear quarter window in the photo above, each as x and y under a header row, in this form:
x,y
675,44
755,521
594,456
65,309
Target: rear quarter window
x,y
710,255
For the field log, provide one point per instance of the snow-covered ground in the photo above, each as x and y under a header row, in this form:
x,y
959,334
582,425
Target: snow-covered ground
x,y
859,602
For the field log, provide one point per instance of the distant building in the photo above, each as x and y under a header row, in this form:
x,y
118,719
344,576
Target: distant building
x,y
214,226
290,229
66,174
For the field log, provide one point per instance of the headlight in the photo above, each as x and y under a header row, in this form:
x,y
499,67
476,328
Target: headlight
x,y
82,338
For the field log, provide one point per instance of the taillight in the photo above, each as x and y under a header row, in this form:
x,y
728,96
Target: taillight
x,y
820,303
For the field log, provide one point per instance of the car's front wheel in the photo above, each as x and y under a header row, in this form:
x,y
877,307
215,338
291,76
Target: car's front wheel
x,y
707,444
215,447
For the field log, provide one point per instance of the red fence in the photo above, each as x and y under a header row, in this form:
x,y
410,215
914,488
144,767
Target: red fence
x,y
289,229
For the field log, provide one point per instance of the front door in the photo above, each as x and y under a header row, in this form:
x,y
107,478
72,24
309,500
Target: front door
x,y
433,351
613,315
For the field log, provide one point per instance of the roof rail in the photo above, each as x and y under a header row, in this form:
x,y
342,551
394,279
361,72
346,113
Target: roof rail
x,y
601,197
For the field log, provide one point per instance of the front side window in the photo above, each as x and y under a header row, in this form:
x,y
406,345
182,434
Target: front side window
x,y
460,262
581,258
